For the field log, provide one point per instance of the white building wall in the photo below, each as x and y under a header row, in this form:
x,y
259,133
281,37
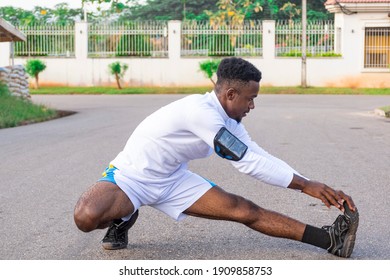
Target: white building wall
x,y
5,50
349,71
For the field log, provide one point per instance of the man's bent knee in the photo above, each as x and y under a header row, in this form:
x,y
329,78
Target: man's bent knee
x,y
101,204
85,219
85,215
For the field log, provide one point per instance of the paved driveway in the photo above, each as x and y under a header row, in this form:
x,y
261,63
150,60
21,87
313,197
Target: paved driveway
x,y
335,139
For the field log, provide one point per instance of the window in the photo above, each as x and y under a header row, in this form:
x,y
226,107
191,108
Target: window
x,y
377,47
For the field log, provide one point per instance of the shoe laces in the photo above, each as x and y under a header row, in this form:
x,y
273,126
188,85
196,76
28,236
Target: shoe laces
x,y
337,232
112,232
341,225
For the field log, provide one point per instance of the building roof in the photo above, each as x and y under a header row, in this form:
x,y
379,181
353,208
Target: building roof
x,y
332,2
358,6
8,33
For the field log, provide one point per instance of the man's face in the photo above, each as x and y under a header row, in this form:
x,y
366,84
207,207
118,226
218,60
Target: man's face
x,y
241,100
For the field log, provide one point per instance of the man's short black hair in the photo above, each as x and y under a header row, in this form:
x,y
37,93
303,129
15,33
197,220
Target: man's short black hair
x,y
236,69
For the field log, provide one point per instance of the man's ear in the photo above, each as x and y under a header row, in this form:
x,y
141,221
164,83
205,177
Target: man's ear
x,y
231,93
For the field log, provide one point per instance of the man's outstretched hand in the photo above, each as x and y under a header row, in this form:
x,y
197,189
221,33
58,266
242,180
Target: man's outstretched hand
x,y
326,194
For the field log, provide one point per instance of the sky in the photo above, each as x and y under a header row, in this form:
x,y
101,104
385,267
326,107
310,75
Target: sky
x,y
30,4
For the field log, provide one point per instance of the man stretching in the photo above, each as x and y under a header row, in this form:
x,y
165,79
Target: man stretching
x,y
152,169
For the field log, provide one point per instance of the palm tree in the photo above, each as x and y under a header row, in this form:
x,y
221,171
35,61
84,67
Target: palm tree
x,y
118,70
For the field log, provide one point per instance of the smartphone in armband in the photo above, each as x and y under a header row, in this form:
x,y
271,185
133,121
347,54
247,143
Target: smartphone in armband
x,y
228,146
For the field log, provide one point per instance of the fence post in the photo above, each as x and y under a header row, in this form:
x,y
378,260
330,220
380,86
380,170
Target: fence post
x,y
174,39
304,37
81,40
268,39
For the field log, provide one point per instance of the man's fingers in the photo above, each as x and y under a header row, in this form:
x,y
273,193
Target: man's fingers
x,y
333,197
349,201
325,200
351,205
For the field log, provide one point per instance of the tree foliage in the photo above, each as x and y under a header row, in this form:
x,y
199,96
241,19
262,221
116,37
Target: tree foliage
x,y
234,10
34,67
118,70
209,68
290,10
115,3
61,14
173,9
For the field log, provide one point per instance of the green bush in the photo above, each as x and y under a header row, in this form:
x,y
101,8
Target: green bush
x,y
330,54
29,54
309,54
209,68
118,70
33,68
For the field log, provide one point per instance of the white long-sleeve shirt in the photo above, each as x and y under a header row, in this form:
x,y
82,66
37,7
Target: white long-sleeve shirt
x,y
160,148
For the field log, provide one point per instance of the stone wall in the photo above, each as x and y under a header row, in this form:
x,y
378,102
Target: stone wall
x,y
16,78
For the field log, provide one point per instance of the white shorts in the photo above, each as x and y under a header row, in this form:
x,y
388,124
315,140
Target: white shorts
x,y
172,199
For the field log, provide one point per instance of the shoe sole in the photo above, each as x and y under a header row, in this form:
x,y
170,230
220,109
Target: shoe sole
x,y
349,241
110,246
118,246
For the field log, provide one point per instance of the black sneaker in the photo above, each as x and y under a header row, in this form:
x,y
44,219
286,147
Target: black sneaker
x,y
116,236
343,233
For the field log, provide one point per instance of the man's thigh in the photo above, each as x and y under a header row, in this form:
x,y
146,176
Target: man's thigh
x,y
105,201
221,205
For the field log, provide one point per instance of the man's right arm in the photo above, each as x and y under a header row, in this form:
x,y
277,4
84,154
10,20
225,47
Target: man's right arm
x,y
326,194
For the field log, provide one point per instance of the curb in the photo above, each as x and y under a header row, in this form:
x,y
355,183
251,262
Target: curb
x,y
382,113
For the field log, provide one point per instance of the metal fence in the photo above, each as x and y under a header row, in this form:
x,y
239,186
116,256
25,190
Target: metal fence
x,y
200,38
377,47
320,38
47,40
137,38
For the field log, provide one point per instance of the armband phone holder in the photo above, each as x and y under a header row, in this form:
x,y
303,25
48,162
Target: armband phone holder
x,y
228,146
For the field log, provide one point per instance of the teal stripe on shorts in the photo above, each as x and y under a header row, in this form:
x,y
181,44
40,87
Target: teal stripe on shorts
x,y
108,174
211,182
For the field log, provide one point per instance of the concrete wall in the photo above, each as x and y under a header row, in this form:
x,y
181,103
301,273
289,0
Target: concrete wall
x,y
345,71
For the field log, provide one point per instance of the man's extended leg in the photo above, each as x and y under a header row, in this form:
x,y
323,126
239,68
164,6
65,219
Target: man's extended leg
x,y
104,205
338,239
221,205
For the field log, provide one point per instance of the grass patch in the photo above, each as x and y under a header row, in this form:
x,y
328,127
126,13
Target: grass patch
x,y
191,90
125,90
15,111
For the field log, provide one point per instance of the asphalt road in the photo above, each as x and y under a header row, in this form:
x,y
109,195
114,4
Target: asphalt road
x,y
45,167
